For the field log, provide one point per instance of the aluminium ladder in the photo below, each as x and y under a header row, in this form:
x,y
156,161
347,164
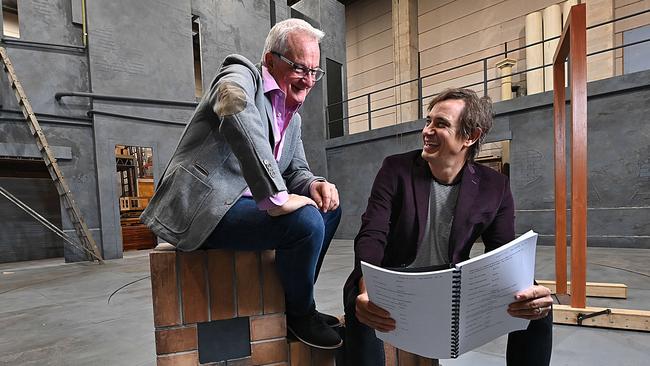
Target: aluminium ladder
x,y
87,241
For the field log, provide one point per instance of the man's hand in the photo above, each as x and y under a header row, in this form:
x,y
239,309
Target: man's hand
x,y
532,303
325,195
371,314
294,202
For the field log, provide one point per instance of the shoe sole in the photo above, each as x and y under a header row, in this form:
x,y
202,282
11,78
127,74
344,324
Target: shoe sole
x,y
314,345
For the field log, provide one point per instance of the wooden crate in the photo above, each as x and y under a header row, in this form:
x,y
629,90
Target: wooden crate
x,y
137,236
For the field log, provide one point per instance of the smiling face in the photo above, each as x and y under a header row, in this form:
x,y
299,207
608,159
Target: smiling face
x,y
301,49
443,143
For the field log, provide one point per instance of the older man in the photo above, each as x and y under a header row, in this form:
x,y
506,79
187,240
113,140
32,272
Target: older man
x,y
239,178
427,208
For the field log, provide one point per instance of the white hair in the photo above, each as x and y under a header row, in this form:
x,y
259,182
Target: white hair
x,y
276,41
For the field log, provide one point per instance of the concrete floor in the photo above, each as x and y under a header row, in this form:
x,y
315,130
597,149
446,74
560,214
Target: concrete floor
x,y
86,314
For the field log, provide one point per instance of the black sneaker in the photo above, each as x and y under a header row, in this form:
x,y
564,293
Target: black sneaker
x,y
330,320
312,331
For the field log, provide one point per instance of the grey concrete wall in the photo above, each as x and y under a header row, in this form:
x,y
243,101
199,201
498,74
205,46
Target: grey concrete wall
x,y
26,239
618,162
143,57
44,70
139,49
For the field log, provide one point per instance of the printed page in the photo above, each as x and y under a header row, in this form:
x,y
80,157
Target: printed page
x,y
420,303
488,284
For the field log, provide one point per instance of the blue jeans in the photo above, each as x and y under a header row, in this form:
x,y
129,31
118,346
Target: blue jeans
x,y
300,240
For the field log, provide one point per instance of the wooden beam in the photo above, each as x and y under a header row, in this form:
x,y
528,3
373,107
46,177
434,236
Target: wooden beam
x,y
616,319
594,289
578,80
559,128
573,42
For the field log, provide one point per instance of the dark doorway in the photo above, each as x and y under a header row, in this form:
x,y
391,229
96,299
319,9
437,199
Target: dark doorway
x,y
22,238
334,99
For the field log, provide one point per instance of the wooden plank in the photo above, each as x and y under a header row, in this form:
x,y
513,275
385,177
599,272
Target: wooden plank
x,y
247,278
578,82
323,357
559,140
409,359
391,354
268,327
594,289
137,237
164,291
618,319
272,292
300,353
221,268
179,359
173,340
194,291
271,351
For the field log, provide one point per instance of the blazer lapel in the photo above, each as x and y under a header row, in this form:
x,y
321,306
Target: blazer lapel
x,y
421,190
289,145
469,187
268,108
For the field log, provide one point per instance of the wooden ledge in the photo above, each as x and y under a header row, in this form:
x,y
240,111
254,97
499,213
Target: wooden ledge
x,y
594,289
615,319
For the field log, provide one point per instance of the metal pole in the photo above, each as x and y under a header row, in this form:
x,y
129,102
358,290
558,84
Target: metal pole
x,y
369,114
419,90
485,77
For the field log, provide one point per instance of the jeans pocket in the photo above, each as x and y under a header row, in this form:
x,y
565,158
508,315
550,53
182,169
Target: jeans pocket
x,y
181,196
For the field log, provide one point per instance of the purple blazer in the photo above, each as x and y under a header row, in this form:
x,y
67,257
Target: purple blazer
x,y
393,225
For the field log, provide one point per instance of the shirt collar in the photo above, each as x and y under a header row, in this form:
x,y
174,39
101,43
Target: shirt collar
x,y
269,81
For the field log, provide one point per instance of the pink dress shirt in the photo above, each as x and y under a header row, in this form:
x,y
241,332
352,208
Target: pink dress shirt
x,y
281,118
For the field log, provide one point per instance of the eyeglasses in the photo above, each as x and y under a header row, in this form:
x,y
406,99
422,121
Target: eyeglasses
x,y
302,70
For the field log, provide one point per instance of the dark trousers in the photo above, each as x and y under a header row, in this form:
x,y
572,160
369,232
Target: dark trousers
x,y
529,347
300,240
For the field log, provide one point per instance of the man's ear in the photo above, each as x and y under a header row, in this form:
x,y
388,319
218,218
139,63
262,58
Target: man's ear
x,y
473,138
268,60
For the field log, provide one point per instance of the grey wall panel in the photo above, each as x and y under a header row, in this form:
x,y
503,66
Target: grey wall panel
x,y
148,56
161,138
79,172
48,21
42,74
136,48
353,169
618,162
21,236
31,151
231,27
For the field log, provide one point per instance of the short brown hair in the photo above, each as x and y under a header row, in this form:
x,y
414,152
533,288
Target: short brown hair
x,y
477,114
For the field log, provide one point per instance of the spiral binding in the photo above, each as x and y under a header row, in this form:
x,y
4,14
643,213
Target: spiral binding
x,y
455,312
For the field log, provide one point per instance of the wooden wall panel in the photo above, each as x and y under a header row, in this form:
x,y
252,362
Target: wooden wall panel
x,y
455,32
370,65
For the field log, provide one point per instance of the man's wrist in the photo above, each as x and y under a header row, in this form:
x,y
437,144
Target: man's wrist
x,y
273,201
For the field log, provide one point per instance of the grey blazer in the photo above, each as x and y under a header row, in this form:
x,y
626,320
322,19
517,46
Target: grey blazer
x,y
225,148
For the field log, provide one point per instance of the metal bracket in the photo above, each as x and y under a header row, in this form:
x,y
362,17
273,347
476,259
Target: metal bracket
x,y
582,316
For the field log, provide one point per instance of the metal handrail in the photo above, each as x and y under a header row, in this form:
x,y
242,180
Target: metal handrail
x,y
484,81
117,98
22,42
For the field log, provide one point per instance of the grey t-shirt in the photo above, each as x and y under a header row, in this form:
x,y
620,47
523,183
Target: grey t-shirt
x,y
434,249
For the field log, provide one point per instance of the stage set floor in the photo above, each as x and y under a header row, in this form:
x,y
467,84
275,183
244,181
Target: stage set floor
x,y
53,313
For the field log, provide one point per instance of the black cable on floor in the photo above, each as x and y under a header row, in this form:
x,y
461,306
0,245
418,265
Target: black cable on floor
x,y
128,284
